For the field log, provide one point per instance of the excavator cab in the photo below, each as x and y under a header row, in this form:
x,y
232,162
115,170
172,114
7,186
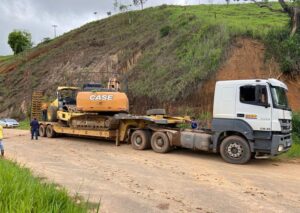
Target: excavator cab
x,y
74,102
94,87
66,97
114,84
65,100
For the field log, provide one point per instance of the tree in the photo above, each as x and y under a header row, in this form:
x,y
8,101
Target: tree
x,y
19,41
46,40
292,9
139,2
116,5
125,8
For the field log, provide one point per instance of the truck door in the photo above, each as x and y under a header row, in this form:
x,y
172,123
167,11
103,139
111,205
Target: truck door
x,y
253,106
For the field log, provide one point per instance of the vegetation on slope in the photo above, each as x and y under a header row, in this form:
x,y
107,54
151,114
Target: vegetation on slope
x,y
196,46
21,192
286,50
179,47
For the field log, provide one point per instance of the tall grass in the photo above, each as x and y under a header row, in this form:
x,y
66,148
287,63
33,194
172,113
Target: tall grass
x,y
21,192
294,152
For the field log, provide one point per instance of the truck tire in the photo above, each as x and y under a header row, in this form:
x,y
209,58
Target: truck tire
x,y
235,150
156,112
52,113
50,132
42,131
140,139
160,142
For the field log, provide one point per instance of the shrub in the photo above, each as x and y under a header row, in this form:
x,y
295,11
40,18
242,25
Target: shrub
x,y
164,31
286,50
296,124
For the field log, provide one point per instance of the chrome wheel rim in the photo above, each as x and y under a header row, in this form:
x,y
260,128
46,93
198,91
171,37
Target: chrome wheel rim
x,y
235,150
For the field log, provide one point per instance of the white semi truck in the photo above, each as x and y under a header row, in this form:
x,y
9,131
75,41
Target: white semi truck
x,y
251,118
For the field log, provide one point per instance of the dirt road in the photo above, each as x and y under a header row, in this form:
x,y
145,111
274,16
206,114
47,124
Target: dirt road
x,y
126,180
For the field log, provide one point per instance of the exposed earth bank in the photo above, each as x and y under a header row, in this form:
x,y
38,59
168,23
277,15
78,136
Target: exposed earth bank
x,y
246,60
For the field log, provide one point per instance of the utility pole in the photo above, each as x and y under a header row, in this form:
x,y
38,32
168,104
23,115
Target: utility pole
x,y
54,29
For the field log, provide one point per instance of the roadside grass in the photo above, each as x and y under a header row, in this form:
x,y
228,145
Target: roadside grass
x,y
21,192
294,152
24,124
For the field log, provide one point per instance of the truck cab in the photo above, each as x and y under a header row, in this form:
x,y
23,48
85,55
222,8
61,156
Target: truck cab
x,y
253,113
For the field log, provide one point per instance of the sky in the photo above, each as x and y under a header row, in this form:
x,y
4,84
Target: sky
x,y
39,16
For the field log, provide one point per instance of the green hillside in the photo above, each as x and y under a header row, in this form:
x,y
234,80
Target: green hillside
x,y
161,54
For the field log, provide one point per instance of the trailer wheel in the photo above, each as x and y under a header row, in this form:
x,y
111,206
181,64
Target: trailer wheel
x,y
140,139
50,132
42,131
235,150
160,142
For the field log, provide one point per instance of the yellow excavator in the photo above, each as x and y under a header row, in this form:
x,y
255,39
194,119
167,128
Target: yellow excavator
x,y
103,112
91,107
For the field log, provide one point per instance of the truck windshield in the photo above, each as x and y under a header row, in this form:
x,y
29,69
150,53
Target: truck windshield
x,y
279,98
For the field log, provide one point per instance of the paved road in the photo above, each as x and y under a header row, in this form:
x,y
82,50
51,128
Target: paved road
x,y
126,180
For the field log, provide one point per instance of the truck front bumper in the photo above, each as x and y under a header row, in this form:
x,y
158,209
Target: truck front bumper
x,y
280,144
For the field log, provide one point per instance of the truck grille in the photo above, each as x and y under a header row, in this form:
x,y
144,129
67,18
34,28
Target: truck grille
x,y
286,125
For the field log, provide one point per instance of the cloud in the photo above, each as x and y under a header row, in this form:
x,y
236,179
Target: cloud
x,y
38,16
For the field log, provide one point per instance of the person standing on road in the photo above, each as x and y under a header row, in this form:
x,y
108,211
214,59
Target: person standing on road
x,y
1,138
194,123
34,124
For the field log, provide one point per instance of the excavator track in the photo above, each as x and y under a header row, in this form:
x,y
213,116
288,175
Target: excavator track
x,y
94,122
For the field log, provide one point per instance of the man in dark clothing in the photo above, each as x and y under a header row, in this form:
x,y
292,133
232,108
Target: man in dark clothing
x,y
194,123
34,128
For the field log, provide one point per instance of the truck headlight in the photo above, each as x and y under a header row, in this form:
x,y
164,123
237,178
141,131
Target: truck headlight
x,y
280,148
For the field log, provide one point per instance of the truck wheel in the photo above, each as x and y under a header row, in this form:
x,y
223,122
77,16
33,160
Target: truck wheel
x,y
160,142
52,113
42,131
50,132
235,150
140,139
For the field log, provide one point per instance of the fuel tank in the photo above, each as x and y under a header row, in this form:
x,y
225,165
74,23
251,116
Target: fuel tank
x,y
195,140
102,102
